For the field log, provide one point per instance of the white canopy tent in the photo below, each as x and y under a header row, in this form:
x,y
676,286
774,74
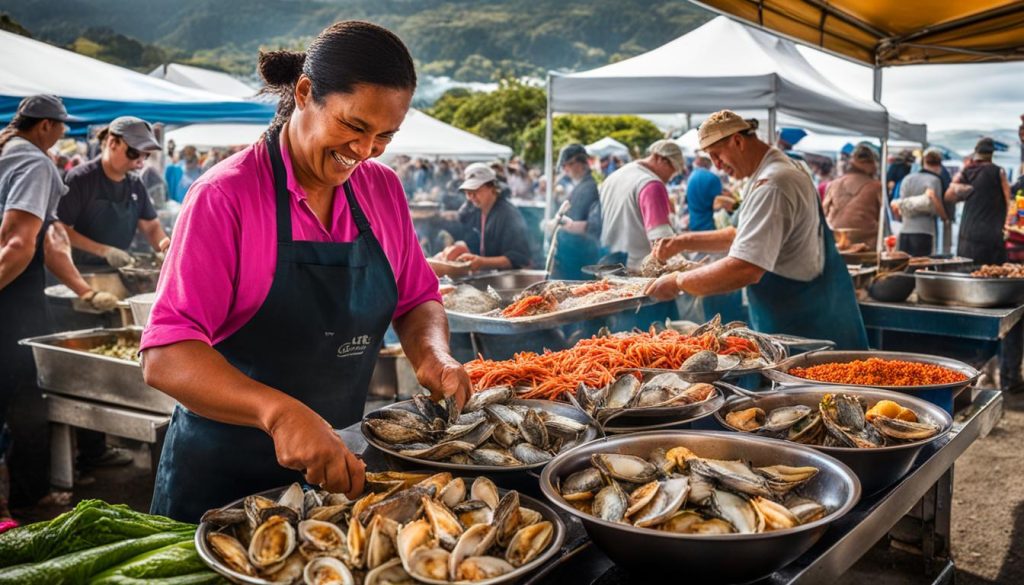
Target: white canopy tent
x,y
722,64
607,146
98,92
420,135
205,79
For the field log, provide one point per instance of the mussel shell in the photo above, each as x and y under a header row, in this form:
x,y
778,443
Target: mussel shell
x,y
702,361
231,552
622,392
901,430
624,467
610,503
529,454
670,496
582,483
483,398
735,475
737,511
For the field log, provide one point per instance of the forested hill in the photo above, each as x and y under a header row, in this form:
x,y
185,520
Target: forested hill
x,y
473,40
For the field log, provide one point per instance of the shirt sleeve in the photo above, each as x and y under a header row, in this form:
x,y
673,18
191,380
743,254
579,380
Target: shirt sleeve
x,y
32,189
654,208
761,230
416,281
146,209
200,275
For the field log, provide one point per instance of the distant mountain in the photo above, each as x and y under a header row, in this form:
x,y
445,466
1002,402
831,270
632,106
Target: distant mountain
x,y
470,40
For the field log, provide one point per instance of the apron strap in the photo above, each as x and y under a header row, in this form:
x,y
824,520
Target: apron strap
x,y
283,198
362,223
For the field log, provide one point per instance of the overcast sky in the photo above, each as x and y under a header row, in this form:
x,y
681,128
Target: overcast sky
x,y
946,97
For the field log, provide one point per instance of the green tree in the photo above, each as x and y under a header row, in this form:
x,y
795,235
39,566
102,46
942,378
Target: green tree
x,y
499,116
10,25
635,132
450,101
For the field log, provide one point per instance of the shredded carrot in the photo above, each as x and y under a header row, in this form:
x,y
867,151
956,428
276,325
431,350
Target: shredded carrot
x,y
598,361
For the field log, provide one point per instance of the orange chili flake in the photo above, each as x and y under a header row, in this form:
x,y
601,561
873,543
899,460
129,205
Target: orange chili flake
x,y
879,372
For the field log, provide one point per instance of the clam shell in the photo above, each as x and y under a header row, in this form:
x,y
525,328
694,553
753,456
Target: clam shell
x,y
390,573
322,535
475,541
737,511
506,517
528,543
454,493
483,489
480,568
380,546
625,467
272,543
231,552
327,571
445,525
670,496
610,503
429,563
622,392
641,496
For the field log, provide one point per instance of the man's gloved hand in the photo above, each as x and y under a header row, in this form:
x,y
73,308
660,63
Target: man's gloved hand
x,y
100,300
118,258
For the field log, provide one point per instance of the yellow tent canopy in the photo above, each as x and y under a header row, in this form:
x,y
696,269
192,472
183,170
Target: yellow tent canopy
x,y
893,32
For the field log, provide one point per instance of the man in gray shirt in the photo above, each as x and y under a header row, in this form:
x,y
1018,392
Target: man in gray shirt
x,y
919,204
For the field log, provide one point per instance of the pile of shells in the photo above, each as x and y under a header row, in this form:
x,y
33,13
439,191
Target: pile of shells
x,y
840,420
629,392
431,528
676,491
492,430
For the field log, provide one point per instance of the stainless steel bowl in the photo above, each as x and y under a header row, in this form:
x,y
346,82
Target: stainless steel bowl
x,y
546,512
952,288
558,408
729,558
877,469
780,373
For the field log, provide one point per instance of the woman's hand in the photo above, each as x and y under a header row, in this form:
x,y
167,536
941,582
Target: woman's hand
x,y
664,288
305,442
444,376
475,262
454,251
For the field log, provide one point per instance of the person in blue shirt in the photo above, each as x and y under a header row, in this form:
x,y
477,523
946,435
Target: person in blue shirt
x,y
701,190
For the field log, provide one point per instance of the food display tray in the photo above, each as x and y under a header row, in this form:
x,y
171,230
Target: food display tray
x,y
957,288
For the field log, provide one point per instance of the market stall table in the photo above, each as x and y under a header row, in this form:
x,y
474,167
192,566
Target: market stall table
x,y
941,329
925,492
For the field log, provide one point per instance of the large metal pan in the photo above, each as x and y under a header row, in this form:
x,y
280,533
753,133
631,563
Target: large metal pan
x,y
954,288
546,512
730,558
878,468
558,408
940,394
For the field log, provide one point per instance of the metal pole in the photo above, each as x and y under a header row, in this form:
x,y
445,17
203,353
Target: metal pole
x,y
549,171
876,94
771,127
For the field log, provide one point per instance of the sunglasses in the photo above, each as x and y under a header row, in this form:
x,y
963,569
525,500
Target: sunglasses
x,y
132,153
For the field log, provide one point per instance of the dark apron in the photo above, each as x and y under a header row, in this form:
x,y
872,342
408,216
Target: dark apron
x,y
113,223
572,253
315,337
23,314
824,308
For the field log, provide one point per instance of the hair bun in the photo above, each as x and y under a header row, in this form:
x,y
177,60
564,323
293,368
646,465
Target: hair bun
x,y
753,123
281,68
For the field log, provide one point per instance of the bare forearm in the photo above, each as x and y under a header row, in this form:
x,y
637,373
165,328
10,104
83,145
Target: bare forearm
x,y
84,243
575,227
721,276
57,256
423,332
496,262
202,380
15,256
715,241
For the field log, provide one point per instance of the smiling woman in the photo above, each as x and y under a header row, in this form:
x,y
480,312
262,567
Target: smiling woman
x,y
289,261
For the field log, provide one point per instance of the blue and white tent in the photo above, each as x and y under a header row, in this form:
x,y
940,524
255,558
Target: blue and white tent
x,y
98,92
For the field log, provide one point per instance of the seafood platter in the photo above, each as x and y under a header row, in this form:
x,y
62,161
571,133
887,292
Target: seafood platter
x,y
494,432
933,378
406,528
877,433
542,305
729,507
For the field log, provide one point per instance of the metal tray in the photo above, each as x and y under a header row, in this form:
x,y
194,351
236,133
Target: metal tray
x,y
780,373
469,323
957,288
626,424
559,408
64,365
508,283
545,510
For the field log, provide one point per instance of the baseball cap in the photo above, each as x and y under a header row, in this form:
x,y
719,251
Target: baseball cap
x,y
671,151
137,132
571,152
722,124
46,107
985,146
476,175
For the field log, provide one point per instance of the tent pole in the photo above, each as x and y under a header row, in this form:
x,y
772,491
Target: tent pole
x,y
549,171
876,94
771,127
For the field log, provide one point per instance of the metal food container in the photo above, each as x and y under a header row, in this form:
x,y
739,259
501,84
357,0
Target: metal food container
x,y
878,468
727,558
957,288
64,365
508,283
939,394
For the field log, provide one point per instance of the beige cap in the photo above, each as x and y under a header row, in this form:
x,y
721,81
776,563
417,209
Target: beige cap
x,y
722,124
671,151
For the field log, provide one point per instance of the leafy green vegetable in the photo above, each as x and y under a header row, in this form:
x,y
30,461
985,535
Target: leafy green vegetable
x,y
200,578
90,524
170,561
77,567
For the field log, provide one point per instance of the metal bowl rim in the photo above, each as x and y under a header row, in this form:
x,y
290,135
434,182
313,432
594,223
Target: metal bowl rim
x,y
840,468
779,373
710,408
590,434
546,511
918,403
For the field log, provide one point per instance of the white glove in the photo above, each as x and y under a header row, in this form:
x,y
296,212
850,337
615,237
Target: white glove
x,y
100,300
118,258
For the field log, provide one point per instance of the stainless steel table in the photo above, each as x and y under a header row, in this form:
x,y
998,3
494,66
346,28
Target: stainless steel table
x,y
918,508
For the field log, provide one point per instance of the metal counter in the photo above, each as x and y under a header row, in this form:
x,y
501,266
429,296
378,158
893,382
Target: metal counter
x,y
925,493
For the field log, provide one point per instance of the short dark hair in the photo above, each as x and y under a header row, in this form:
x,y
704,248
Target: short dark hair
x,y
342,56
